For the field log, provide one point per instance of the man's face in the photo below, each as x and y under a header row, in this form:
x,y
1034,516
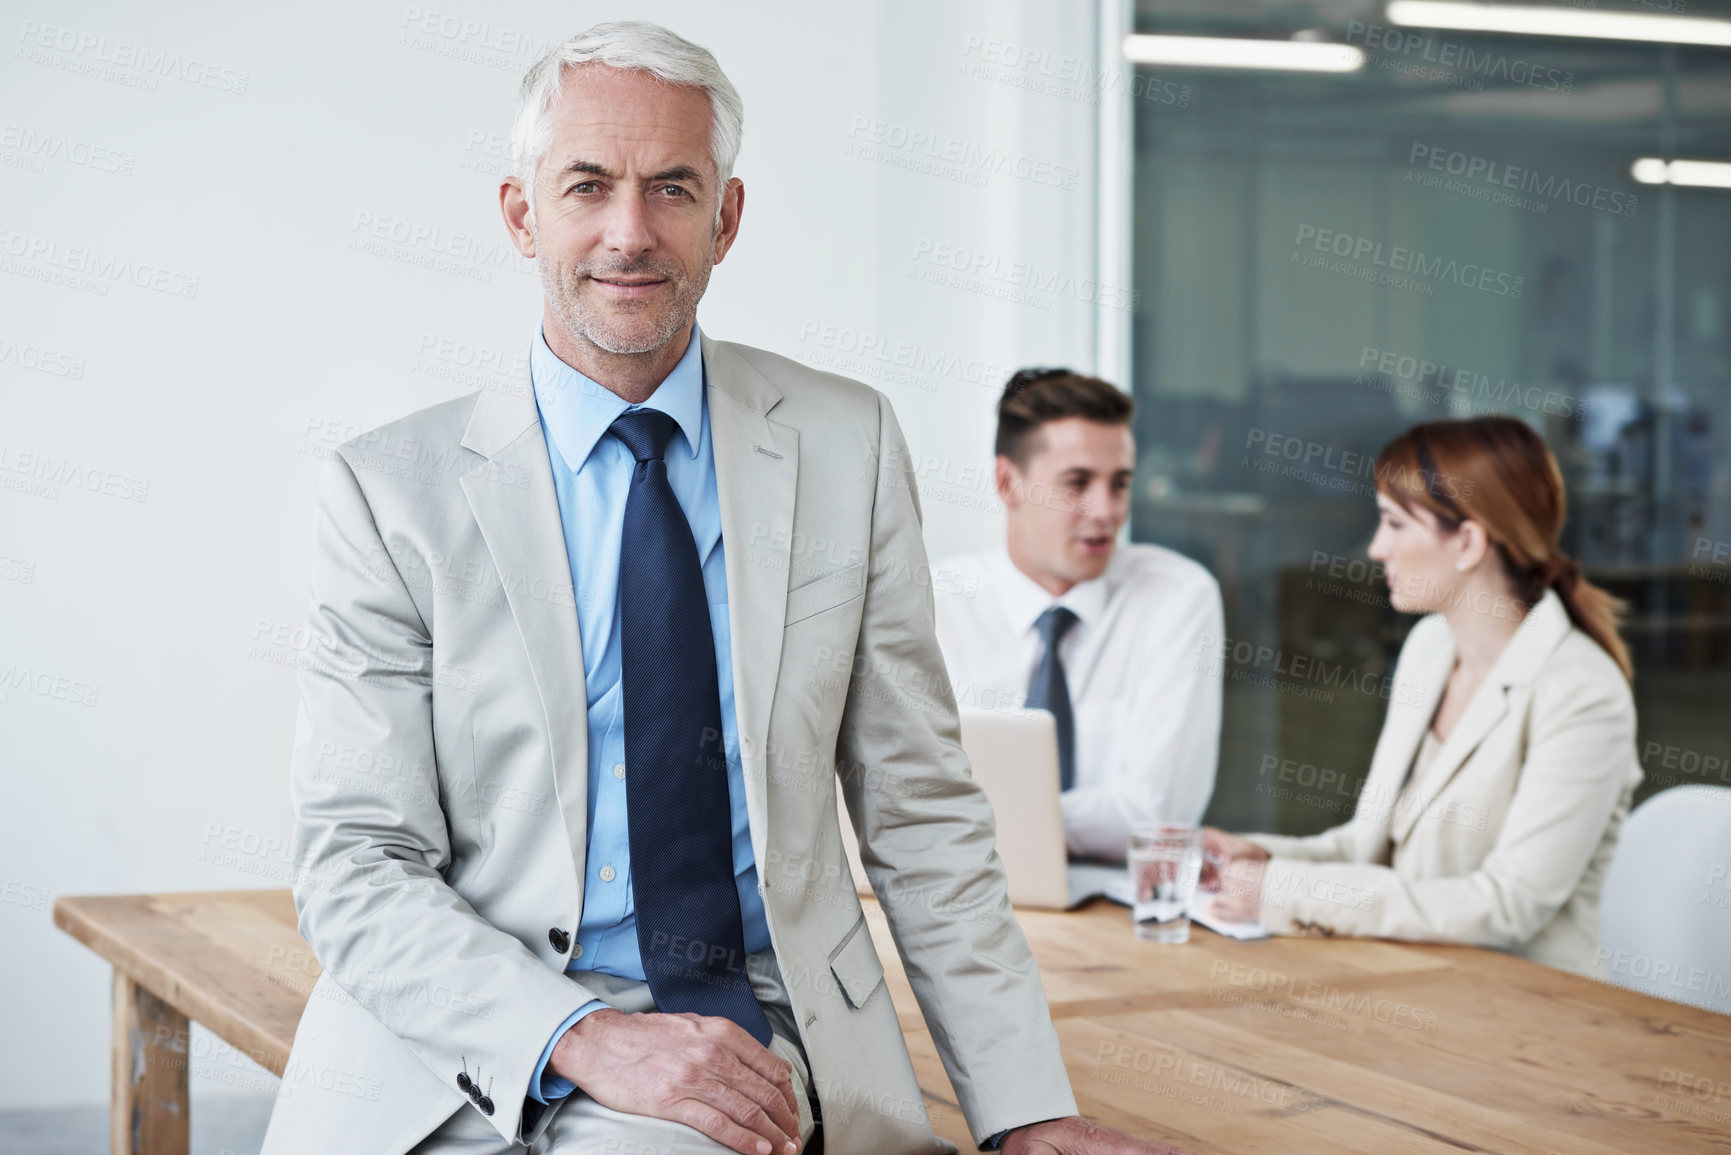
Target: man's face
x,y
1066,507
625,228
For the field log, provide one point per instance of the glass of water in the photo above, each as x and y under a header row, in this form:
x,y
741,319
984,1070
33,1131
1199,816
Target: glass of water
x,y
1165,863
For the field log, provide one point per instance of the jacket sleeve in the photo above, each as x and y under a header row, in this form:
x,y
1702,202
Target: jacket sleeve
x,y
1335,844
1579,762
929,848
371,864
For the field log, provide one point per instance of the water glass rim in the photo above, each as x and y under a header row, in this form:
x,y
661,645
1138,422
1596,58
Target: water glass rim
x,y
1163,829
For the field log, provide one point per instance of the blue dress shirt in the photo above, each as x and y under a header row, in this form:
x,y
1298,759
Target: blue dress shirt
x,y
592,477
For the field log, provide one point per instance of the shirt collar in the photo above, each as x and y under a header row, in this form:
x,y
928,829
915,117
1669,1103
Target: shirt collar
x,y
1026,599
578,411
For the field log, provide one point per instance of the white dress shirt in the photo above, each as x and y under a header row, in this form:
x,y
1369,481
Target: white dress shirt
x,y
1147,717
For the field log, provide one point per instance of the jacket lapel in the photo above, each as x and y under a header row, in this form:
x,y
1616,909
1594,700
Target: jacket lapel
x,y
1538,634
1414,702
526,538
756,468
1485,710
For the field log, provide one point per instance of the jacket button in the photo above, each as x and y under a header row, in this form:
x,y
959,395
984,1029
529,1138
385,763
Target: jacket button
x,y
560,940
463,1083
485,1104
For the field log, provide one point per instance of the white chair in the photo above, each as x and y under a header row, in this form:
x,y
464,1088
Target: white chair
x,y
1665,915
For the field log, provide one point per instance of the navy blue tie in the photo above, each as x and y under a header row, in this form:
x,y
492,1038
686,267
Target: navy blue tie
x,y
1048,690
689,930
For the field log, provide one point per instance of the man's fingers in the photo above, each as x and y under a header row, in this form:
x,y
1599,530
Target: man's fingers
x,y
769,1099
742,1109
758,1058
714,1122
776,1071
757,1083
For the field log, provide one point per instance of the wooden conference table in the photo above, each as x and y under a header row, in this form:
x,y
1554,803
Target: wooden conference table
x,y
1284,1046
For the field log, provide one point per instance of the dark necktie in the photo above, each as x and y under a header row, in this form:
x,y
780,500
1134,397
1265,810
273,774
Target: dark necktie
x,y
689,930
1049,691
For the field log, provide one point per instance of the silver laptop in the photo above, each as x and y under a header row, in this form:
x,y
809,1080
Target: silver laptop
x,y
1014,755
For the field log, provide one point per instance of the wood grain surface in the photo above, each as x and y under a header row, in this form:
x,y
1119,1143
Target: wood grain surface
x,y
1284,1046
148,1109
1329,1045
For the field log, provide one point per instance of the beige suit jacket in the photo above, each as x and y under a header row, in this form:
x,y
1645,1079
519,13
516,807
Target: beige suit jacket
x,y
1508,839
440,773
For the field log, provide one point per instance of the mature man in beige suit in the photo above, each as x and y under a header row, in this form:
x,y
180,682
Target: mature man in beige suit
x,y
446,799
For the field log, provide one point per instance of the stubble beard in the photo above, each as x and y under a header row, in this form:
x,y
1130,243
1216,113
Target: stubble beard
x,y
610,331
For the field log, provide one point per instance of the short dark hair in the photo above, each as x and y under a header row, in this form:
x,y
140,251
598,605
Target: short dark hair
x,y
1033,397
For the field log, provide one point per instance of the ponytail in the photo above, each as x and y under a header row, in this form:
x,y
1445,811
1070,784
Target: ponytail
x,y
1594,611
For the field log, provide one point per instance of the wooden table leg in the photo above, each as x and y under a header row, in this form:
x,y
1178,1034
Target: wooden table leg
x,y
148,1108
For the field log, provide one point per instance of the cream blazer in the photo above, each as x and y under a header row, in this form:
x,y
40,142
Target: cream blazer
x,y
439,776
1507,843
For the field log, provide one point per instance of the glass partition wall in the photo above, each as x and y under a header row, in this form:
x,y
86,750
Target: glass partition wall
x,y
1451,228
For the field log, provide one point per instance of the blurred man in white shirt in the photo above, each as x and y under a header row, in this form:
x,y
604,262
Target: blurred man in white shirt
x,y
1138,716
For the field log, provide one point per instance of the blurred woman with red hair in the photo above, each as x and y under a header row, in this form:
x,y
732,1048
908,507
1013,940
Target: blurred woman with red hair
x,y
1507,759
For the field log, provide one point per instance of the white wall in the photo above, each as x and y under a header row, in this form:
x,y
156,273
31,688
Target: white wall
x,y
158,568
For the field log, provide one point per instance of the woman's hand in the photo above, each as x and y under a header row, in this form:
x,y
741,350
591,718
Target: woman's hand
x,y
1239,898
1220,850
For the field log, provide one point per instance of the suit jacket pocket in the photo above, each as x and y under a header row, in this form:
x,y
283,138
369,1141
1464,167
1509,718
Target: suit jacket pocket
x,y
855,965
825,592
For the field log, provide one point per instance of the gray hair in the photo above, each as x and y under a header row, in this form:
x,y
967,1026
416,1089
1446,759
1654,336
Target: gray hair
x,y
634,46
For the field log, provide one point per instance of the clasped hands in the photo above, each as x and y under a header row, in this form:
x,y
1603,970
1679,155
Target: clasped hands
x,y
1232,868
710,1074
